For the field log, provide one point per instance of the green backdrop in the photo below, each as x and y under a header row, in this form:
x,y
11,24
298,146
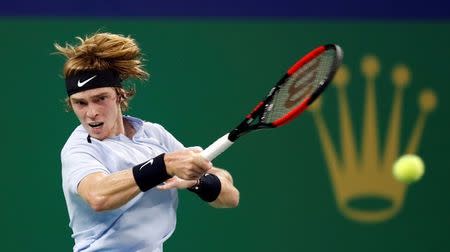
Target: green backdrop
x,y
204,76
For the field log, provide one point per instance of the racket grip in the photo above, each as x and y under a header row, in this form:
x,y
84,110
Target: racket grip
x,y
216,148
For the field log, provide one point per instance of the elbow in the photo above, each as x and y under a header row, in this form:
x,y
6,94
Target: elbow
x,y
98,203
234,202
99,208
231,200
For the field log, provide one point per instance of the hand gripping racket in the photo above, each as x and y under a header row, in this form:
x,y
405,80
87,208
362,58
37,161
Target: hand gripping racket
x,y
292,94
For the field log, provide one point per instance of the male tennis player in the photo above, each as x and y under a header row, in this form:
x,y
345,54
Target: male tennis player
x,y
120,173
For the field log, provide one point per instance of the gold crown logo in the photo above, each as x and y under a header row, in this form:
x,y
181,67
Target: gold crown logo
x,y
365,174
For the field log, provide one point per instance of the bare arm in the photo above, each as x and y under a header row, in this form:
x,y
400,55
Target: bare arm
x,y
109,191
228,196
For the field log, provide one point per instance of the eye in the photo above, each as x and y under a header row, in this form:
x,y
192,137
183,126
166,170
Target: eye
x,y
102,98
80,103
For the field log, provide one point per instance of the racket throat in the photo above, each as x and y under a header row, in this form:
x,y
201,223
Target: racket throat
x,y
245,128
235,134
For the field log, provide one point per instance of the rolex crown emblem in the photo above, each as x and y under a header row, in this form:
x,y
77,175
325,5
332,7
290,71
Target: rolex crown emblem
x,y
360,168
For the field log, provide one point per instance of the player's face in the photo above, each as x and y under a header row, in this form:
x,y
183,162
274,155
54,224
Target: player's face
x,y
99,112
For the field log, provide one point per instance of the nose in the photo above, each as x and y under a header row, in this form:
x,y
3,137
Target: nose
x,y
92,111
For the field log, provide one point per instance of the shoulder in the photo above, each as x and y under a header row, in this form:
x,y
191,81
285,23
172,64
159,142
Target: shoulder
x,y
77,140
154,127
149,128
157,131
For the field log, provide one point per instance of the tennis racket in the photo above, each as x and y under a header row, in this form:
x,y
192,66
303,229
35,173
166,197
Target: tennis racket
x,y
292,94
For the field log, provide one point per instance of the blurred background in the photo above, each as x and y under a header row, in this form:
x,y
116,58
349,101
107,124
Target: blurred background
x,y
210,62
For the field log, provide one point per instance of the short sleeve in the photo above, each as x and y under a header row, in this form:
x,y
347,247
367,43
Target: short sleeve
x,y
76,165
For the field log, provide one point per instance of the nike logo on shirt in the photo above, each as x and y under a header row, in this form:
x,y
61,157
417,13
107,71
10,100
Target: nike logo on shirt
x,y
80,84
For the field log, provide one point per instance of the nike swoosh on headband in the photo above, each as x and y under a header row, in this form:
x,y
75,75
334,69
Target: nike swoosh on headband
x,y
80,84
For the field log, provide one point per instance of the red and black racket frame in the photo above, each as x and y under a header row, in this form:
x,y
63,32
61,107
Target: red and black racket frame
x,y
249,124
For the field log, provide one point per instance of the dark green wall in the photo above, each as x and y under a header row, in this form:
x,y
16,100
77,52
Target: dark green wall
x,y
287,198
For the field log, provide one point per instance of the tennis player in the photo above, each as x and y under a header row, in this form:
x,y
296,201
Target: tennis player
x,y
121,174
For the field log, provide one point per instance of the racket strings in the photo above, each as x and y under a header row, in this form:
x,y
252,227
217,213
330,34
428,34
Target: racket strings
x,y
299,86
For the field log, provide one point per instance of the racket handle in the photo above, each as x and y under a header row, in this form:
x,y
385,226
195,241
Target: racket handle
x,y
216,148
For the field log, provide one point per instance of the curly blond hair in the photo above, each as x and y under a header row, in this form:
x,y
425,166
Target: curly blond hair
x,y
105,51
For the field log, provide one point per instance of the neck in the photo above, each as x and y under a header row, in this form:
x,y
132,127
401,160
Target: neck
x,y
129,130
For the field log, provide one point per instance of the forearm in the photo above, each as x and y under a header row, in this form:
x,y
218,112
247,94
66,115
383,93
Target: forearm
x,y
219,193
229,195
108,191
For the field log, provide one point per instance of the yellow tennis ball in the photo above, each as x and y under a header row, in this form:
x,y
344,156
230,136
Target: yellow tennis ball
x,y
408,168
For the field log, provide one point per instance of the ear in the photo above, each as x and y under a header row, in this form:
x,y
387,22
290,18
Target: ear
x,y
68,103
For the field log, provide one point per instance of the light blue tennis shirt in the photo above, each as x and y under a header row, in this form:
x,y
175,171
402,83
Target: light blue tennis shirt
x,y
146,221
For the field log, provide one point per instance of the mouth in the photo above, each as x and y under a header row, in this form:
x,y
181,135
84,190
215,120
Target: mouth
x,y
95,125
